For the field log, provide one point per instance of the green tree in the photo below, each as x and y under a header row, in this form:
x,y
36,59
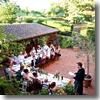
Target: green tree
x,y
87,48
8,12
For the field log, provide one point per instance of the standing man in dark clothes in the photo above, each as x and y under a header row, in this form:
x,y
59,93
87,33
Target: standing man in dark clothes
x,y
79,77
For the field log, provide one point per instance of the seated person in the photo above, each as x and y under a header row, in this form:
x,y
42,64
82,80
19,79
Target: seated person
x,y
43,55
14,59
47,53
38,50
57,50
53,88
25,54
39,59
52,53
33,50
36,84
45,83
52,47
9,70
20,73
45,47
21,57
33,62
26,76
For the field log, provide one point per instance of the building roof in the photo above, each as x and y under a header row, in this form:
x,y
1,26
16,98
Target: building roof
x,y
26,31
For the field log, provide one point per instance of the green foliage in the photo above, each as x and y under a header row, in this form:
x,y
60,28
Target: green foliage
x,y
44,91
87,48
78,19
70,42
91,31
64,42
15,48
8,47
69,89
42,40
9,87
7,13
28,19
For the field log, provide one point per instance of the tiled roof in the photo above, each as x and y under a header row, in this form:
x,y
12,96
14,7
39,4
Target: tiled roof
x,y
25,31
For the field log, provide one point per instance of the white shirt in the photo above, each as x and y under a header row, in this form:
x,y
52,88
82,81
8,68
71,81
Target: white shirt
x,y
45,47
48,54
20,58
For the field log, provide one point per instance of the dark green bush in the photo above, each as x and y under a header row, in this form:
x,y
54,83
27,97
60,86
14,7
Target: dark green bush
x,y
66,33
28,20
69,89
44,91
40,21
70,42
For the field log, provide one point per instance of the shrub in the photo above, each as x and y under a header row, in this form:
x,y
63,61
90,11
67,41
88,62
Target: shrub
x,y
70,42
66,33
28,20
69,89
44,91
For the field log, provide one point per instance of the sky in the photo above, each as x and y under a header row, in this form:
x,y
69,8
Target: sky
x,y
36,5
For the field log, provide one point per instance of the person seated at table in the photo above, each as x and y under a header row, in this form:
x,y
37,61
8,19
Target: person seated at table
x,y
9,70
20,73
35,74
57,50
47,54
45,47
33,62
14,59
53,88
25,54
36,84
21,57
38,46
43,55
38,50
52,53
45,83
52,47
33,50
26,76
39,59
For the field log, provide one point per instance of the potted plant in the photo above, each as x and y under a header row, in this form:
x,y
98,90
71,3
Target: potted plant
x,y
87,48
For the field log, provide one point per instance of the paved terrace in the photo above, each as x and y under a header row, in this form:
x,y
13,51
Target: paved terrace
x,y
67,62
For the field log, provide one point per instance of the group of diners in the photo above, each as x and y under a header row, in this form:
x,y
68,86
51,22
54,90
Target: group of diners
x,y
39,54
24,73
33,83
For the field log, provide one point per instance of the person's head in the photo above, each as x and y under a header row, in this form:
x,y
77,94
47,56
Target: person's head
x,y
79,64
12,55
35,74
46,50
26,71
21,53
52,50
33,48
33,57
46,80
44,44
52,85
22,68
38,55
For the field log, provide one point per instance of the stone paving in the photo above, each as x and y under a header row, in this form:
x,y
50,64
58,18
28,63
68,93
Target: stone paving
x,y
67,62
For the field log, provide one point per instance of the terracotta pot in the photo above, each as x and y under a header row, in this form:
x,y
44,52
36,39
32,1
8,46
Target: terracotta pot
x,y
76,49
87,82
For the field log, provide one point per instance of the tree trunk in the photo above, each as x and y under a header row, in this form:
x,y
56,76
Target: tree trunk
x,y
88,63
